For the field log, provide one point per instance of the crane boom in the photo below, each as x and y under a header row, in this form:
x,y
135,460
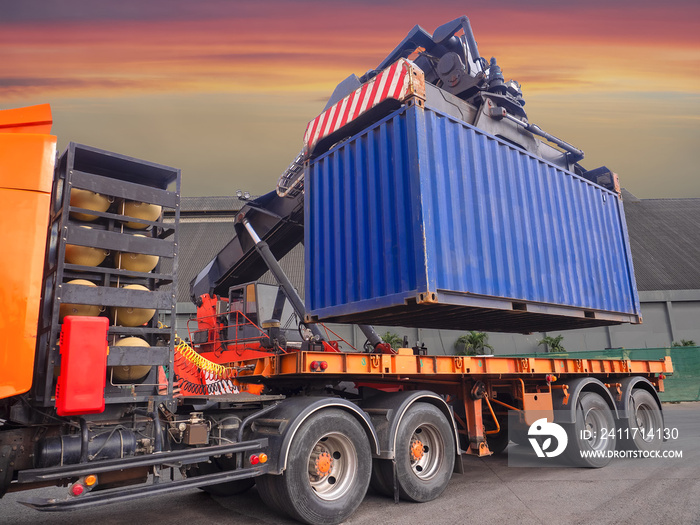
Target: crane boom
x,y
279,221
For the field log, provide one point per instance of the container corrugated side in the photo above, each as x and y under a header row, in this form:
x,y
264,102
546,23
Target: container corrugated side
x,y
422,219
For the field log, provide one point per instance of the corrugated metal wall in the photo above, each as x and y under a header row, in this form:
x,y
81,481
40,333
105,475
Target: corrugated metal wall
x,y
422,202
363,223
504,223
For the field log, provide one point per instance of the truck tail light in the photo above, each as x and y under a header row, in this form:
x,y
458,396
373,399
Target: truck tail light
x,y
317,366
90,480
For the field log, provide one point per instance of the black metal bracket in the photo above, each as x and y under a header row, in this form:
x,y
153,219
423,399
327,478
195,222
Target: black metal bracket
x,y
196,455
117,495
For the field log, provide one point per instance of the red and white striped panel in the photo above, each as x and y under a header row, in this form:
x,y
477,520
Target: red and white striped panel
x,y
399,81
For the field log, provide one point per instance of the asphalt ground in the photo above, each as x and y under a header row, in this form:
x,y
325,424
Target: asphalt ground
x,y
629,491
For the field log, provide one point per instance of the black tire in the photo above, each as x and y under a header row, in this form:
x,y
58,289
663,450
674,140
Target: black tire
x,y
269,488
423,478
498,442
519,434
229,488
594,416
328,470
644,426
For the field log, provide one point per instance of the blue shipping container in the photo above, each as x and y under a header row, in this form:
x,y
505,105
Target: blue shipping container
x,y
424,220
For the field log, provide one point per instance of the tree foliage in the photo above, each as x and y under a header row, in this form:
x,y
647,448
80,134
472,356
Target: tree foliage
x,y
552,344
684,342
473,343
393,340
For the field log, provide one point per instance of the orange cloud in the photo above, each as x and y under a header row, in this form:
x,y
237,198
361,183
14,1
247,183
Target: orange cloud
x,y
645,49
309,47
196,84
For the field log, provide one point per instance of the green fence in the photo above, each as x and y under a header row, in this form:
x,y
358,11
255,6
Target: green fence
x,y
683,385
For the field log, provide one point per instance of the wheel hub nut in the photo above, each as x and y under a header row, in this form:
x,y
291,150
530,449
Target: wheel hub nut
x,y
417,449
324,462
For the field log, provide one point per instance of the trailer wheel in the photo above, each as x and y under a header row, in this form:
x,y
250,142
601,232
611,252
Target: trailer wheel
x,y
518,433
645,424
328,470
425,454
593,433
269,489
498,442
228,488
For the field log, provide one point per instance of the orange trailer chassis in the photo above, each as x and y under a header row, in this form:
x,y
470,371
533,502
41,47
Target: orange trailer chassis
x,y
537,386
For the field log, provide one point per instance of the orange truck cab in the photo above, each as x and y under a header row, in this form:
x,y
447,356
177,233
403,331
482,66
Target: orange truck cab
x,y
27,157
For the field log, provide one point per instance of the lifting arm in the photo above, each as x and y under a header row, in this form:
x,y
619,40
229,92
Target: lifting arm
x,y
279,221
264,251
248,256
440,44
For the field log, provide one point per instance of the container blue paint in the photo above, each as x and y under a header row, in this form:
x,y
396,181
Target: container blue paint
x,y
424,220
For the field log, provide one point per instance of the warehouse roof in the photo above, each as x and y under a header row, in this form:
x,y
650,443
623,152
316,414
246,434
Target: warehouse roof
x,y
665,242
226,205
664,238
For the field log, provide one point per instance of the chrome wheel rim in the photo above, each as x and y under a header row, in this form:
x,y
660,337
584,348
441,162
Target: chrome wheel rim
x,y
332,466
644,418
425,451
596,423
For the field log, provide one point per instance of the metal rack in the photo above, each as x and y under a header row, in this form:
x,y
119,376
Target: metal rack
x,y
121,179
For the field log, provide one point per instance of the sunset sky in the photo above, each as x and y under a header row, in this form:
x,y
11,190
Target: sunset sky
x,y
224,89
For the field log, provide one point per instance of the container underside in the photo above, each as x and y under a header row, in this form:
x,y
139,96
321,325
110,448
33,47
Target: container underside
x,y
450,317
450,311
